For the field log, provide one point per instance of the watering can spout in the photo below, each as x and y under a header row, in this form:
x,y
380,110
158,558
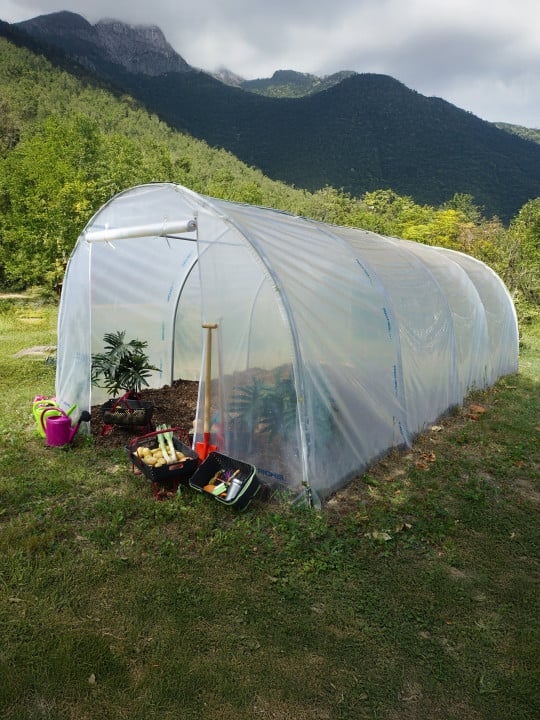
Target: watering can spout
x,y
85,417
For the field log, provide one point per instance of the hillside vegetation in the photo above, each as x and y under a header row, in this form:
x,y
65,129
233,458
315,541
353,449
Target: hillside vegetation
x,y
289,83
524,132
365,132
68,143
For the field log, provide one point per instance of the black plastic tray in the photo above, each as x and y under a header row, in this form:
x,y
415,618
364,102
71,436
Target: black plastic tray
x,y
177,471
246,473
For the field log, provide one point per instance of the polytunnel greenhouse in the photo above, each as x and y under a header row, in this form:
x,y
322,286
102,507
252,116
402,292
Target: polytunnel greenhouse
x,y
332,346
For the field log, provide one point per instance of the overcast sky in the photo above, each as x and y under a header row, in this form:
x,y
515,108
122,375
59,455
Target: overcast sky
x,y
481,55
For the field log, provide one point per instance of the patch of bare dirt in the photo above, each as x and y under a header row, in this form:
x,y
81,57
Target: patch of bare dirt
x,y
37,350
527,490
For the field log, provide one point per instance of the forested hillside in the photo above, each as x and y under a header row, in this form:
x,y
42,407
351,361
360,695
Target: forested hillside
x,y
365,132
289,83
523,132
68,143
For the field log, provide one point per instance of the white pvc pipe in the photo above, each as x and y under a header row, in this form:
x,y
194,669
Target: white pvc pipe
x,y
135,231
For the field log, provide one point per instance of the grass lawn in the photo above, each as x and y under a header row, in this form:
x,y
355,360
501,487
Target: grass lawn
x,y
413,596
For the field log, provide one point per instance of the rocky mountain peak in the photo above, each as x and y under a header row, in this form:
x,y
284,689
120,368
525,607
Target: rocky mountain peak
x,y
138,48
64,22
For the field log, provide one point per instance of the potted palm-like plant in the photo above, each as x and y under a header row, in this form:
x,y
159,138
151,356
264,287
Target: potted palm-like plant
x,y
123,366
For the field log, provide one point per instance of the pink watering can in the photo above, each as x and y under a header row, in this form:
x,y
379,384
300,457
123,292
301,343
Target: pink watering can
x,y
57,428
44,407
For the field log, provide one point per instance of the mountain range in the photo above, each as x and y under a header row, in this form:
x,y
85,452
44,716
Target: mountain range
x,y
354,131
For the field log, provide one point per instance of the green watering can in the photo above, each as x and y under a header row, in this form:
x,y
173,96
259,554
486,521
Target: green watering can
x,y
44,407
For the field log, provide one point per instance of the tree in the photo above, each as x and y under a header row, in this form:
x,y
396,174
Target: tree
x,y
465,205
525,234
44,185
52,183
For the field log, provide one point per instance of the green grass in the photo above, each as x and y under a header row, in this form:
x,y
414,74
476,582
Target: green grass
x,y
412,596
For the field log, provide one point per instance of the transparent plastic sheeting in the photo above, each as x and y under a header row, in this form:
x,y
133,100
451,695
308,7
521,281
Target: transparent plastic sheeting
x,y
333,344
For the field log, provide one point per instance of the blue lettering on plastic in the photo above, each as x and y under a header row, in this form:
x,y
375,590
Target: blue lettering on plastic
x,y
169,294
395,380
269,473
163,330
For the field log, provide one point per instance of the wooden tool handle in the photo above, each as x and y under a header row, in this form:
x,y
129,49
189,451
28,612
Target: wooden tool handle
x,y
208,375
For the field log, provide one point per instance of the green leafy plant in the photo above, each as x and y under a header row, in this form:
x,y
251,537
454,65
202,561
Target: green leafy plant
x,y
272,408
123,366
268,407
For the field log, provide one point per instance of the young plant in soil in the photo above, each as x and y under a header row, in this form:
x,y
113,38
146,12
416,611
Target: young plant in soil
x,y
123,366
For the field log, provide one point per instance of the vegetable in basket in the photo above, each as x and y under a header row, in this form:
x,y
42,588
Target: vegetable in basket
x,y
165,453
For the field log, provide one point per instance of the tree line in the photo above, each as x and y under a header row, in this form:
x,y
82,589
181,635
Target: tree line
x,y
66,147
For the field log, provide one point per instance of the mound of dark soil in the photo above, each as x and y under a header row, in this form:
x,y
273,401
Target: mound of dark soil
x,y
175,406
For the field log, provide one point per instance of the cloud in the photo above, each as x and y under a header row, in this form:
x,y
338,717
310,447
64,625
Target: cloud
x,y
483,56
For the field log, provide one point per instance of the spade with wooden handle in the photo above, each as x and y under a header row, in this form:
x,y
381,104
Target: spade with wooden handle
x,y
203,448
